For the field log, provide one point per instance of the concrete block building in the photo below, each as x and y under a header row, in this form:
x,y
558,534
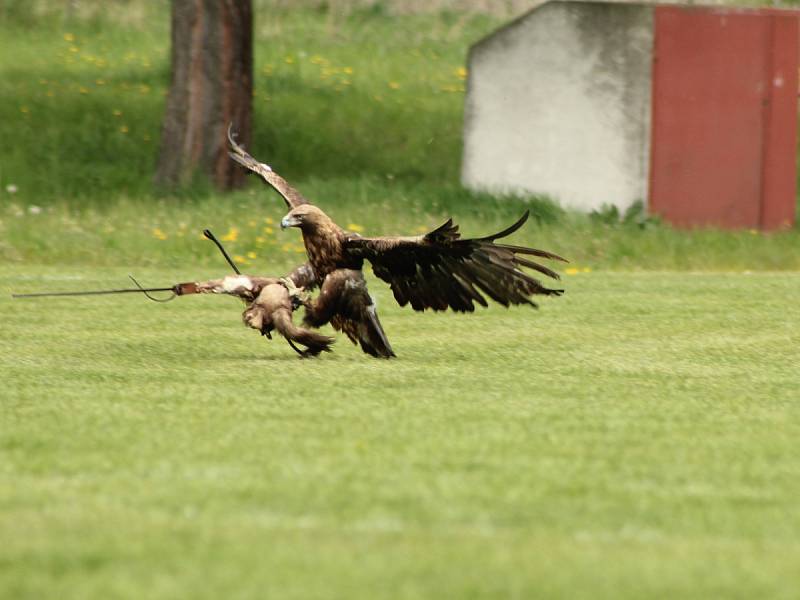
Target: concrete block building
x,y
691,110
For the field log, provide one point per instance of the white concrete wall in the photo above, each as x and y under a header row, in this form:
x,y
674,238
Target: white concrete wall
x,y
558,102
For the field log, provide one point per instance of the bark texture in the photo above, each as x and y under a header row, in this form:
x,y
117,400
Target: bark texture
x,y
211,86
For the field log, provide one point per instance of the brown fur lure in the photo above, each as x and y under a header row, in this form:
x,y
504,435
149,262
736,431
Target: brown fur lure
x,y
270,304
270,301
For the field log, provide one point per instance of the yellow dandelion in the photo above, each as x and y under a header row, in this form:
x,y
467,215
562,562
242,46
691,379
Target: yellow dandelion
x,y
252,223
461,72
587,270
83,90
240,259
394,85
100,81
260,241
421,229
159,234
348,70
355,227
231,236
68,37
299,249
572,271
753,231
252,255
289,60
268,230
286,247
124,129
73,49
269,221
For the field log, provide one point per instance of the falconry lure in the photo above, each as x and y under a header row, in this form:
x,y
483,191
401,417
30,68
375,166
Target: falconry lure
x,y
270,301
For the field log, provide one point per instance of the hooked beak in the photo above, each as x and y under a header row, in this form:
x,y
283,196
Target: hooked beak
x,y
288,221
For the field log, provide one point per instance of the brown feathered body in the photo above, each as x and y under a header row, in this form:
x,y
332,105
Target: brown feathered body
x,y
324,241
438,270
343,300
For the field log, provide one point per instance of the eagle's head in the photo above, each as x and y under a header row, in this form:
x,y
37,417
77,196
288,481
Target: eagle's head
x,y
307,217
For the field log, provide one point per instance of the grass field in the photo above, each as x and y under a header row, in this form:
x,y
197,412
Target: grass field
x,y
635,438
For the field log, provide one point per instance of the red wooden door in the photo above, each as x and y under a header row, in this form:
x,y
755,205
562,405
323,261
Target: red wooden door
x,y
724,117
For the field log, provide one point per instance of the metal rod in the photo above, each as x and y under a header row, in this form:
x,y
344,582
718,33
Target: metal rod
x,y
92,293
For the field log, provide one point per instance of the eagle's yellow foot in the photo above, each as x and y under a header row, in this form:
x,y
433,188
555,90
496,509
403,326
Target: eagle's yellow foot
x,y
298,295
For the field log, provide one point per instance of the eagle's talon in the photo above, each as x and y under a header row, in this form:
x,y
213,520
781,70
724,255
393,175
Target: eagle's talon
x,y
298,296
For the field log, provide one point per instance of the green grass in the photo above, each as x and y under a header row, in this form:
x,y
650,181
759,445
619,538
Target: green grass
x,y
635,438
80,99
167,233
362,110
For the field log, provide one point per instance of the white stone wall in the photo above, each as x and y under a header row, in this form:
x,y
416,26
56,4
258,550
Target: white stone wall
x,y
558,102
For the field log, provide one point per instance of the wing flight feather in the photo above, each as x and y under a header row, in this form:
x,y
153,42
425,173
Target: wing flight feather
x,y
440,270
290,195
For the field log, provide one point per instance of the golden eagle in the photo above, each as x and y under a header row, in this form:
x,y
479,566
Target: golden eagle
x,y
437,270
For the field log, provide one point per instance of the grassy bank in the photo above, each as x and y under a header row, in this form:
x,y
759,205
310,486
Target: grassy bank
x,y
374,94
167,233
361,108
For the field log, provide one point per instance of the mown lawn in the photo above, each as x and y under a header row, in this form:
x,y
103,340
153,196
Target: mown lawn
x,y
634,438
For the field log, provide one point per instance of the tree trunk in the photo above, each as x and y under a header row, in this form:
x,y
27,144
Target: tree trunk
x,y
212,86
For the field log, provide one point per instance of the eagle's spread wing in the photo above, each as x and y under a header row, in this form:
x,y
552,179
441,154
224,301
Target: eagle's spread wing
x,y
292,197
439,270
